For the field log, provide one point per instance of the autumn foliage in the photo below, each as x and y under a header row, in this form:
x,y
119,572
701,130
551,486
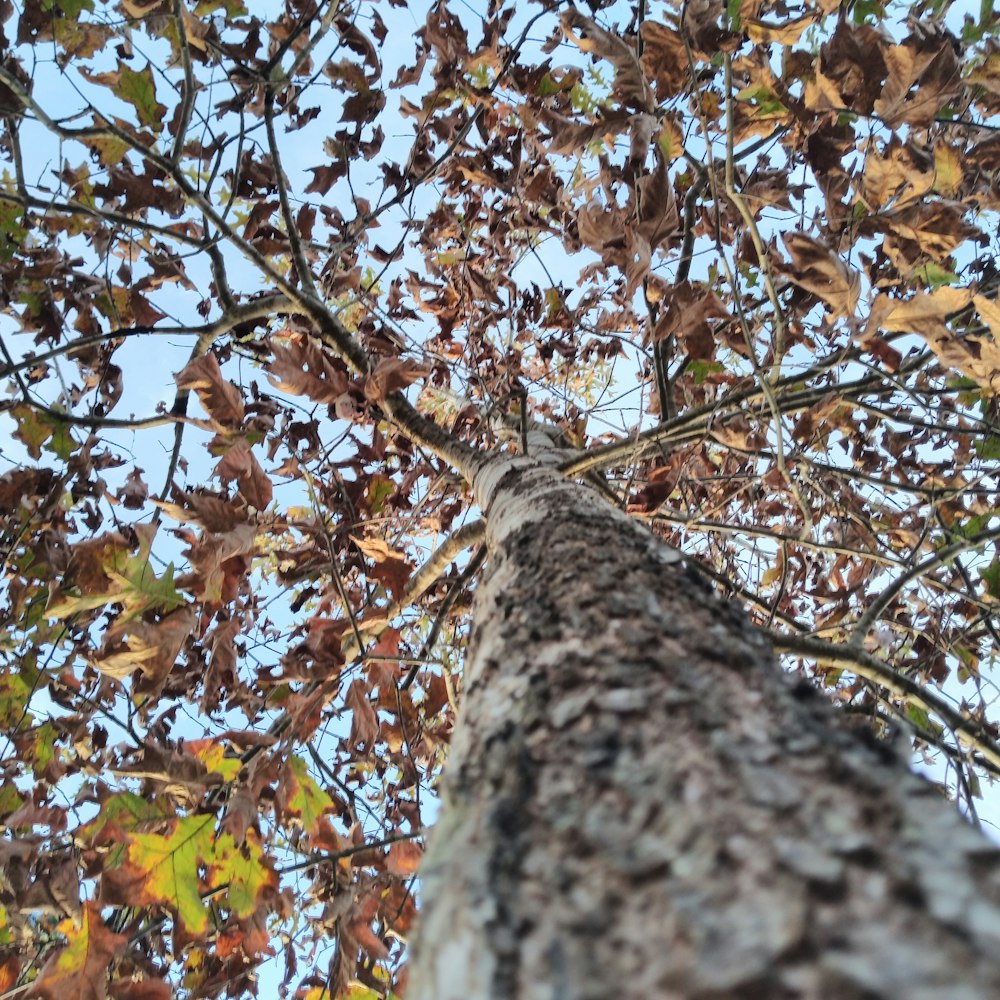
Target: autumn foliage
x,y
276,277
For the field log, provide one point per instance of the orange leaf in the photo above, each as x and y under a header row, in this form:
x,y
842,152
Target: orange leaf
x,y
404,858
79,971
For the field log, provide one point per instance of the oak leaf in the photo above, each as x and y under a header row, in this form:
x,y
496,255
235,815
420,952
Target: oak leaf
x,y
391,375
927,61
391,568
630,84
817,269
300,797
80,969
927,313
220,399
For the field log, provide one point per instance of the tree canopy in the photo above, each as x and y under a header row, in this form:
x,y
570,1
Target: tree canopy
x,y
276,278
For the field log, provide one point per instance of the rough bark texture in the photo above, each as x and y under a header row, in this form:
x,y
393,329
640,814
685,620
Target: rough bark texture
x,y
640,803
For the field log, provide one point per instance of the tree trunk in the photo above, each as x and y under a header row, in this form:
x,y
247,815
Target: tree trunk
x,y
640,803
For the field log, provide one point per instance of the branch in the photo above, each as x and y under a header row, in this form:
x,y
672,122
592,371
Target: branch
x,y
694,423
423,579
187,99
882,600
874,670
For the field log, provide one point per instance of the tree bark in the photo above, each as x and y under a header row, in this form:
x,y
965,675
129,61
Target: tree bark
x,y
639,802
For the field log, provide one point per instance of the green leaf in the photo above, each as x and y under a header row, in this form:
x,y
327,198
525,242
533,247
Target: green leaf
x,y
139,90
733,16
972,526
988,447
10,799
142,590
302,797
12,229
168,866
32,431
702,369
44,746
245,872
918,716
35,429
991,576
167,869
133,585
934,276
380,488
69,8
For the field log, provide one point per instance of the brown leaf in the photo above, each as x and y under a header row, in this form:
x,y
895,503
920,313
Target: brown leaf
x,y
220,399
152,648
214,513
898,175
787,33
390,568
926,58
302,368
657,207
817,269
326,176
220,561
364,721
240,463
133,494
736,432
391,375
976,356
664,60
937,228
686,311
144,989
630,84
79,970
568,137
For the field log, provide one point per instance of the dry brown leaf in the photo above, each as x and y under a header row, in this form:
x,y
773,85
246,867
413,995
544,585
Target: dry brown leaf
x,y
976,356
567,138
151,647
817,269
686,311
658,216
630,84
304,370
897,175
239,463
220,399
364,721
664,59
937,228
787,33
391,568
924,58
391,375
404,858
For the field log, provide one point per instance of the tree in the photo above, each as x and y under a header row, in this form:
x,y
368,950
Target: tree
x,y
676,324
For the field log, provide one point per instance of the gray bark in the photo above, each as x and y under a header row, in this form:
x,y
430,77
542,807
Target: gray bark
x,y
639,802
